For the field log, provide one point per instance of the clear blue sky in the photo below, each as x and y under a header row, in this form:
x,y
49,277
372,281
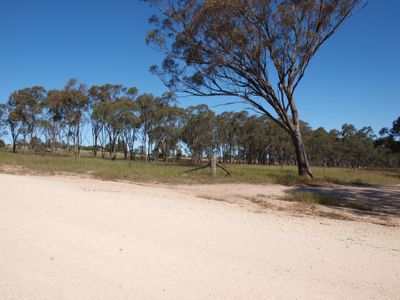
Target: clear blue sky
x,y
354,78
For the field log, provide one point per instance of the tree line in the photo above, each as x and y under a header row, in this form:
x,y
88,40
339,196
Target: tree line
x,y
256,51
112,118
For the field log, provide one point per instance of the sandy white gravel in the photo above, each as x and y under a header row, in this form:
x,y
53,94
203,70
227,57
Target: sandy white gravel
x,y
74,238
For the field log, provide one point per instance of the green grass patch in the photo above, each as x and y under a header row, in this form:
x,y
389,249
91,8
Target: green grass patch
x,y
177,172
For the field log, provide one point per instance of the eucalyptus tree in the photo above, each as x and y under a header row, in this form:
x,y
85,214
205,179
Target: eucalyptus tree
x,y
394,136
356,146
96,95
114,115
337,147
75,101
230,132
114,109
64,115
53,121
366,141
255,140
321,148
31,101
225,138
280,149
14,120
3,122
199,131
257,50
395,131
131,127
167,128
130,131
102,94
148,106
388,145
24,108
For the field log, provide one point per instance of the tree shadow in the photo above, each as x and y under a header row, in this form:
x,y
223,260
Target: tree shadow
x,y
366,200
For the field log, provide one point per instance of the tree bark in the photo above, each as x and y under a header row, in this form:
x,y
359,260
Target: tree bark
x,y
301,157
295,133
124,146
113,146
113,152
213,163
145,150
95,146
78,142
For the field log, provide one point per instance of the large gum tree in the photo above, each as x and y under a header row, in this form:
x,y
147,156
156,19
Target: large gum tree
x,y
257,50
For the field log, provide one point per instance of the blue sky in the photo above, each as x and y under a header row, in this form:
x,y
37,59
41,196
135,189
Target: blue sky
x,y
354,78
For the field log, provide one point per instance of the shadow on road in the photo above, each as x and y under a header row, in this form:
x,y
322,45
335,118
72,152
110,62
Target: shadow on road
x,y
365,200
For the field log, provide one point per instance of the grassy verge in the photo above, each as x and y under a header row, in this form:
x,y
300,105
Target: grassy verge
x,y
177,172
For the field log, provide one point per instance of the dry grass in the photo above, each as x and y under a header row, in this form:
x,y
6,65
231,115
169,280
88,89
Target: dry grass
x,y
312,198
157,171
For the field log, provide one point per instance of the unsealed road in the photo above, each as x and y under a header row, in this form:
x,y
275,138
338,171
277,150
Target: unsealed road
x,y
72,238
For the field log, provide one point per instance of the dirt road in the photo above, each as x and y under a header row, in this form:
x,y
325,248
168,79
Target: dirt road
x,y
72,238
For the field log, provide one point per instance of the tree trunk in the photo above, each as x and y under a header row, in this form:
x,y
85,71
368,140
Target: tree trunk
x,y
95,133
110,142
301,157
124,146
145,148
113,152
78,142
165,152
53,137
95,147
295,133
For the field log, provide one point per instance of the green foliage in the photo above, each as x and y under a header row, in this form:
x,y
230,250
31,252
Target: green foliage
x,y
114,112
3,121
151,113
24,108
199,131
166,131
389,140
